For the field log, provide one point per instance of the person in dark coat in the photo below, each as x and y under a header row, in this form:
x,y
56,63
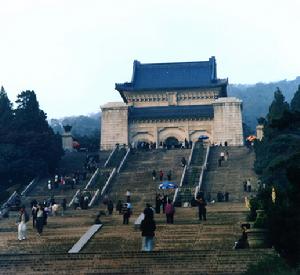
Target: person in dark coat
x,y
154,175
126,211
119,206
157,203
148,228
110,207
201,209
40,219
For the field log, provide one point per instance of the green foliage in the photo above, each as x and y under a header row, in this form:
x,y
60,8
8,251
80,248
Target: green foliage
x,y
278,164
295,103
272,265
28,146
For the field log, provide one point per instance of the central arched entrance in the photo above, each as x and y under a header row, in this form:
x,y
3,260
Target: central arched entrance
x,y
172,142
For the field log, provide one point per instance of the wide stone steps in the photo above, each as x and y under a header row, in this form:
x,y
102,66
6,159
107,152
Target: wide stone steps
x,y
166,262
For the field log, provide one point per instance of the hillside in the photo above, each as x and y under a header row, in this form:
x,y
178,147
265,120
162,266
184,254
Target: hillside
x,y
258,97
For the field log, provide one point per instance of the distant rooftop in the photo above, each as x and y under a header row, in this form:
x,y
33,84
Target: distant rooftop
x,y
170,76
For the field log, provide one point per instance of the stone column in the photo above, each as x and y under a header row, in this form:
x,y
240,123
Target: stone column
x,y
259,131
114,125
227,124
67,139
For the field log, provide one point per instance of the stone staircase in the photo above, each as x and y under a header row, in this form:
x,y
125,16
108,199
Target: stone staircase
x,y
185,247
192,175
137,175
230,176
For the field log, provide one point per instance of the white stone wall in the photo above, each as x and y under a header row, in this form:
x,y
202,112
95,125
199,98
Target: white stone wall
x,y
157,131
228,121
114,125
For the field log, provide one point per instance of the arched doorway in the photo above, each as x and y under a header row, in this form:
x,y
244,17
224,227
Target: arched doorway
x,y
172,142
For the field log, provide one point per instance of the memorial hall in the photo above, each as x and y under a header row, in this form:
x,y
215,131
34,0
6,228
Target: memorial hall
x,y
172,103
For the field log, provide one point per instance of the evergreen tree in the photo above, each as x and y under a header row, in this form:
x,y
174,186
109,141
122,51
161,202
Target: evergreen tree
x,y
295,103
278,107
6,115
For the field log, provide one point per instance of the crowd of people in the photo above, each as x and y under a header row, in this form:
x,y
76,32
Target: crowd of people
x,y
40,211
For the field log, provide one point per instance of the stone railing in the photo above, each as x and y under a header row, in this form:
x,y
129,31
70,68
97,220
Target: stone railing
x,y
123,160
111,176
180,184
197,189
184,172
29,187
94,198
92,179
111,155
72,200
191,154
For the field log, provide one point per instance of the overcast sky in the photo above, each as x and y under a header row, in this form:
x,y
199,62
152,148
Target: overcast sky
x,y
71,53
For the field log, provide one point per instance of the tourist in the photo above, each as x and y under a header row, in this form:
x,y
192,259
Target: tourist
x,y
226,155
63,206
149,210
226,196
164,200
33,213
242,242
245,185
169,175
110,207
157,203
201,209
183,161
220,162
222,155
49,185
119,206
248,185
40,219
154,175
161,175
148,227
170,211
220,196
97,220
126,210
128,194
23,218
76,202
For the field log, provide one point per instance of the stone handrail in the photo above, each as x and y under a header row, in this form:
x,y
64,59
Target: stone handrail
x,y
28,188
184,172
110,156
72,200
112,174
191,154
180,184
9,199
123,160
202,172
92,179
94,197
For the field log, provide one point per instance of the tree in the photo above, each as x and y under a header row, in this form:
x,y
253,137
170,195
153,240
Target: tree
x,y
277,107
6,115
278,165
295,103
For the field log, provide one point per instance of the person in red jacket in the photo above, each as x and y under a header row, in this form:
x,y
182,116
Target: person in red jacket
x,y
170,211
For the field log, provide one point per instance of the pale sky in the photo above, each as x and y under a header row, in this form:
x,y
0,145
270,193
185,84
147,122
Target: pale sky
x,y
72,52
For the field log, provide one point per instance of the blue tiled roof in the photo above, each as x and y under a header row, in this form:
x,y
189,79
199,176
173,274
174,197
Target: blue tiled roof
x,y
171,112
180,75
